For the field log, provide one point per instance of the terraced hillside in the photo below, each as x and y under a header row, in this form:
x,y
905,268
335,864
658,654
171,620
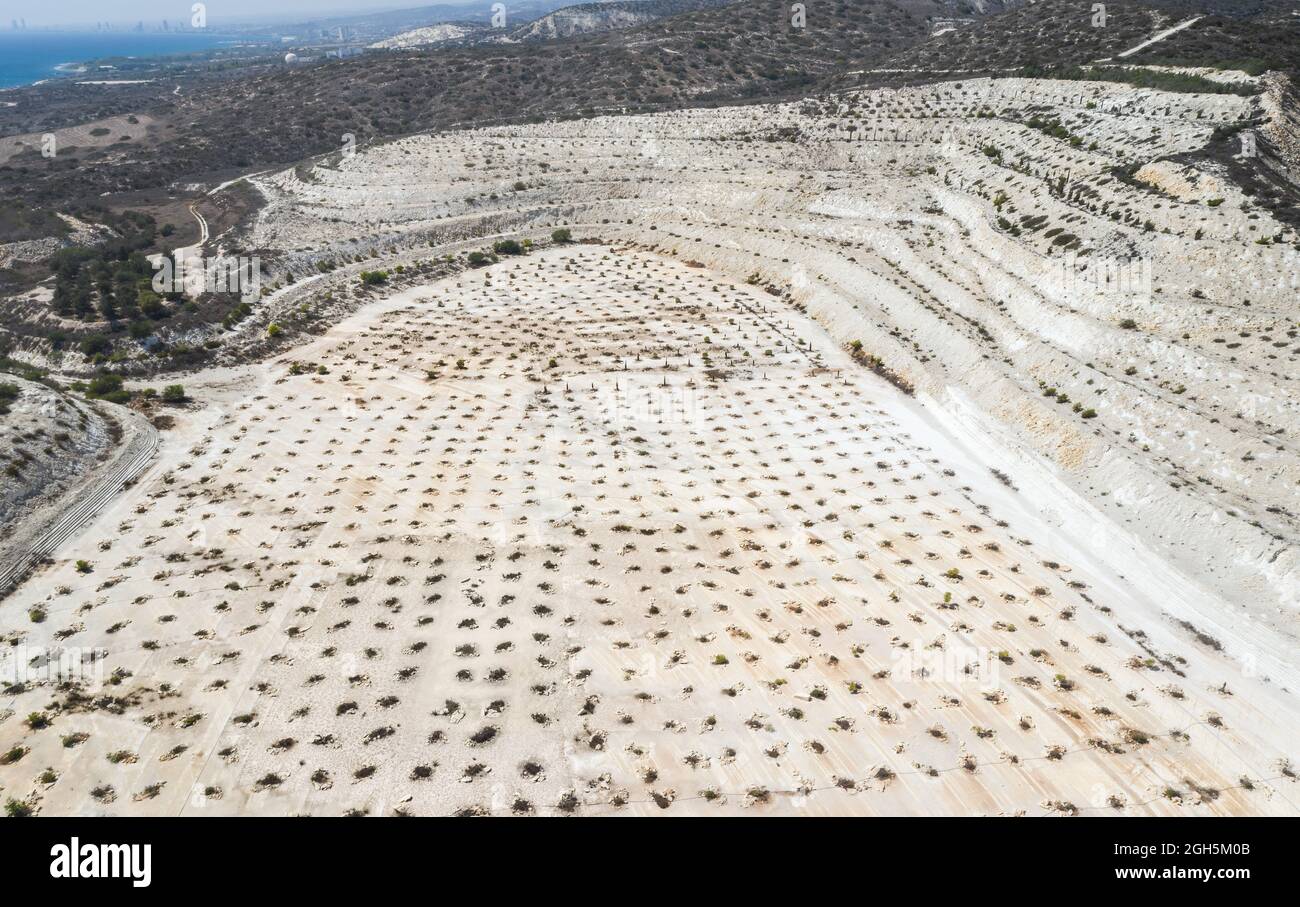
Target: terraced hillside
x,y
914,449
972,243
591,532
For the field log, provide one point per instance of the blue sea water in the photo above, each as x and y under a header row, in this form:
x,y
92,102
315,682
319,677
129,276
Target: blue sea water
x,y
30,56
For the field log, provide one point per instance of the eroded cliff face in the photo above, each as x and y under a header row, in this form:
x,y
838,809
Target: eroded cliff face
x,y
48,441
1281,106
580,20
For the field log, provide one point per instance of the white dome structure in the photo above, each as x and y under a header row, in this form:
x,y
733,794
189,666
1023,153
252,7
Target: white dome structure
x,y
290,59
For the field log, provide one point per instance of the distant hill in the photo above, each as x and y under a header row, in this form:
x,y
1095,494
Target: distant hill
x,y
429,34
580,19
397,21
585,18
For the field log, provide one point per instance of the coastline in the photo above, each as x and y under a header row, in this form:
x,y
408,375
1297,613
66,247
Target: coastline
x,y
38,58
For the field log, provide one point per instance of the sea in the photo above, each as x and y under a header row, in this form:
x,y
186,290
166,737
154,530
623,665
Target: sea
x,y
32,56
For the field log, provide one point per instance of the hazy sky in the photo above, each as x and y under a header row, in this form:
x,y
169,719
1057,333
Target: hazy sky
x,y
58,12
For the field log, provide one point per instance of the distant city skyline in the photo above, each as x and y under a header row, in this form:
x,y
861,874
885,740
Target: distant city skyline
x,y
86,13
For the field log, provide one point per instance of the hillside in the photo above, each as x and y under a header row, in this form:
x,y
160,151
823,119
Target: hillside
x,y
769,459
567,22
585,18
1261,35
746,50
738,53
429,34
705,415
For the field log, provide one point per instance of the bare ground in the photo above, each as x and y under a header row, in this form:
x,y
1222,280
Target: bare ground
x,y
592,531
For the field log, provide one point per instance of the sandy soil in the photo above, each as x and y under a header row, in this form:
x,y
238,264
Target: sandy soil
x,y
594,531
